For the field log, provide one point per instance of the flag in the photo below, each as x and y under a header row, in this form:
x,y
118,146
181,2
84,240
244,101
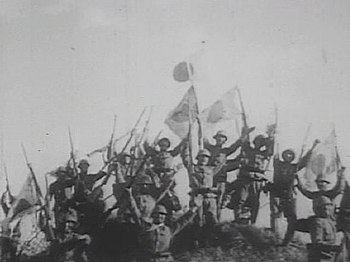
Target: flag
x,y
26,198
183,72
217,115
186,111
324,161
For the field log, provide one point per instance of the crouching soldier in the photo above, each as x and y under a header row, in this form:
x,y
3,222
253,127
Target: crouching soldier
x,y
156,237
323,231
72,245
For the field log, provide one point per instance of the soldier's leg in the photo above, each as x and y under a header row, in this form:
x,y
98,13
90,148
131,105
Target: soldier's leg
x,y
210,218
289,210
242,197
254,192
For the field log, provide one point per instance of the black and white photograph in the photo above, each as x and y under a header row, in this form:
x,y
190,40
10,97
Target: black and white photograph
x,y
174,131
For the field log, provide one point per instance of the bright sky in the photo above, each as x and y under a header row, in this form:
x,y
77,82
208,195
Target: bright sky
x,y
77,63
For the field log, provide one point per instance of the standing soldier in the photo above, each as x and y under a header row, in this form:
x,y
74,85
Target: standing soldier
x,y
61,191
158,156
86,181
323,231
202,183
282,189
220,139
156,237
72,245
123,173
251,176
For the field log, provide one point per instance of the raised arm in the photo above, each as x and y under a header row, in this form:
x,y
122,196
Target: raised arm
x,y
178,149
187,218
233,148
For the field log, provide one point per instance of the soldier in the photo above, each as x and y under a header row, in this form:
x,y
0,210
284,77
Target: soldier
x,y
143,194
322,231
323,183
155,238
220,139
282,189
158,156
123,173
72,245
251,176
202,183
61,191
89,180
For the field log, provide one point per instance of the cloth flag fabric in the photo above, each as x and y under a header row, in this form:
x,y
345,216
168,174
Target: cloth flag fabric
x,y
185,112
324,161
26,199
224,114
222,110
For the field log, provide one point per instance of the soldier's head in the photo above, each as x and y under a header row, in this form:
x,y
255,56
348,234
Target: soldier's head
x,y
125,159
144,182
164,144
71,220
83,165
323,207
159,214
259,141
220,137
219,159
61,172
203,157
322,182
288,155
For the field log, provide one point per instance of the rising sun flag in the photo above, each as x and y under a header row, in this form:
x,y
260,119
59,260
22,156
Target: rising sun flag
x,y
324,161
183,114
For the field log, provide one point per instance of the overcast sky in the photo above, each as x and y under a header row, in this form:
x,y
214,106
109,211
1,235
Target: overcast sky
x,y
77,63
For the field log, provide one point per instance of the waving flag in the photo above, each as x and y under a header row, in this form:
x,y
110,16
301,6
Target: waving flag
x,y
324,161
26,199
185,112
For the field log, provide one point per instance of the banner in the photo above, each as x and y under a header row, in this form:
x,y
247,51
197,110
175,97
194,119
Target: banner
x,y
186,111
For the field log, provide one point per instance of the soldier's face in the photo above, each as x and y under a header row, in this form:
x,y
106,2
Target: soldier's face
x,y
220,140
203,160
84,167
127,160
158,218
69,226
288,157
164,145
326,210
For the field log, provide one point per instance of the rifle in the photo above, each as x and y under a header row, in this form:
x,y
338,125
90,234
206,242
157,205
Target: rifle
x,y
51,235
244,116
97,191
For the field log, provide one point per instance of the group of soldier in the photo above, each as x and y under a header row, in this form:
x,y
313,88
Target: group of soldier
x,y
145,182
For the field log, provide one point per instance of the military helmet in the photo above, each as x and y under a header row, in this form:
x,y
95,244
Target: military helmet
x,y
83,162
203,152
220,133
61,170
259,138
288,151
144,179
160,209
164,140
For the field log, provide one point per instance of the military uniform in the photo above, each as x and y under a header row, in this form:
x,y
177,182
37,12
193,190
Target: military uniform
x,y
155,238
323,232
250,179
202,182
217,149
72,245
282,190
